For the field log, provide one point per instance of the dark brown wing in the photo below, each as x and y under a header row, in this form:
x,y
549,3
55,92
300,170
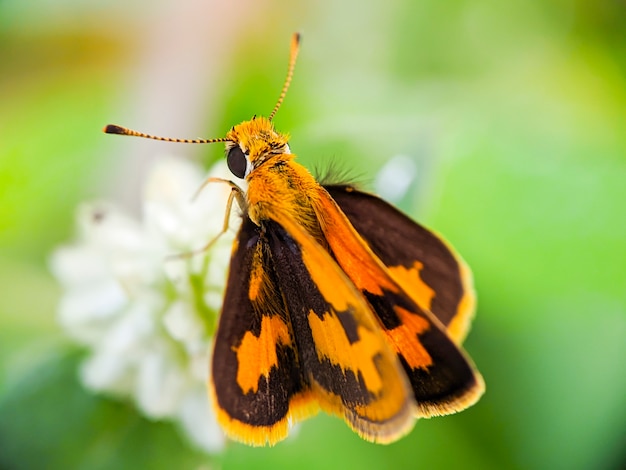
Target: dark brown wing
x,y
256,380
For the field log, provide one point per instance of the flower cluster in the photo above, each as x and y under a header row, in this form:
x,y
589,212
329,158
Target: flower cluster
x,y
145,313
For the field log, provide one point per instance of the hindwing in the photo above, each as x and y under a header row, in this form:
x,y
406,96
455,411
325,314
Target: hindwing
x,y
443,378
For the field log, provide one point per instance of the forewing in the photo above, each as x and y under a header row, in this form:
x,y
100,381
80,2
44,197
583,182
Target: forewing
x,y
342,350
256,379
425,266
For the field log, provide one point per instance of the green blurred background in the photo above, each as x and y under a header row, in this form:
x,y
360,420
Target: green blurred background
x,y
514,114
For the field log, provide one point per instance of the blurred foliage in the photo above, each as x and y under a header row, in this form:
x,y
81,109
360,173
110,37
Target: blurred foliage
x,y
71,428
515,114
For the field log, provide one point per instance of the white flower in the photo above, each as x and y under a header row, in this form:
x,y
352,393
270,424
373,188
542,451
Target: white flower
x,y
145,317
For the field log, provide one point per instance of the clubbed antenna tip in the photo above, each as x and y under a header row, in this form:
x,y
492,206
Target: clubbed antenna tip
x,y
113,129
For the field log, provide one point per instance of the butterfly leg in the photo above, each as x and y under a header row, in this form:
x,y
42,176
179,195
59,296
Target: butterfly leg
x,y
236,193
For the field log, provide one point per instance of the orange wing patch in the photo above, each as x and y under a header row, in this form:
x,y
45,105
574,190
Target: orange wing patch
x,y
257,278
332,342
256,356
404,339
412,283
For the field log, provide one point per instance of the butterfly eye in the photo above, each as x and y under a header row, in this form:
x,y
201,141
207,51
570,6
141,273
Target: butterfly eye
x,y
237,162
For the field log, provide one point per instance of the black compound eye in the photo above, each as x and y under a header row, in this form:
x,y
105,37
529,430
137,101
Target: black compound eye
x,y
237,162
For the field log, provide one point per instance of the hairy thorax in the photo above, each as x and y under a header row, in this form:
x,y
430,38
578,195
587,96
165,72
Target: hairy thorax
x,y
283,187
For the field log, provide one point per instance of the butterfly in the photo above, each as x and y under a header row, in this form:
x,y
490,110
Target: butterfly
x,y
335,301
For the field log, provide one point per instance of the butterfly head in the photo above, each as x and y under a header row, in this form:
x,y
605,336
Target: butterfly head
x,y
253,143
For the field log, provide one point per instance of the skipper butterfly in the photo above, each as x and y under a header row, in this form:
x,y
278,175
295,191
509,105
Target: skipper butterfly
x,y
335,300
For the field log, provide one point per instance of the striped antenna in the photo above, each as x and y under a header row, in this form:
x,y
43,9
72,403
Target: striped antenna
x,y
293,55
114,129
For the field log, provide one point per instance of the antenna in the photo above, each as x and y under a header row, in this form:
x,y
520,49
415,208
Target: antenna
x,y
114,129
293,55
